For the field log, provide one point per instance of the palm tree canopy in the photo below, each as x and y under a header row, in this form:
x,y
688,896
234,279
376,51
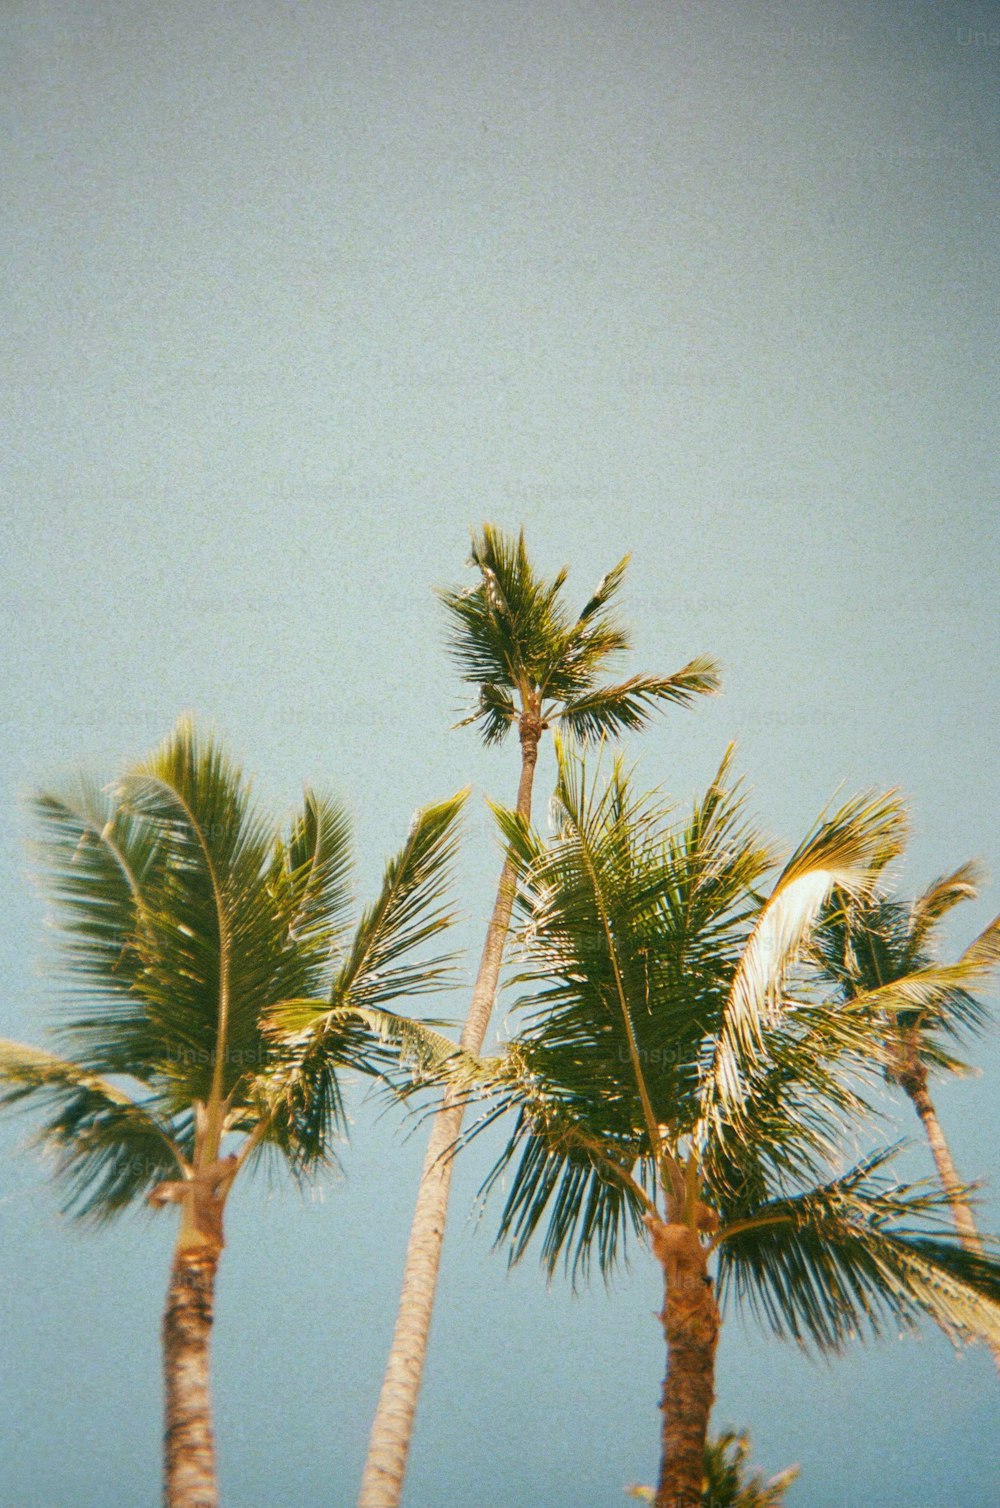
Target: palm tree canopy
x,y
187,920
884,952
677,1052
514,637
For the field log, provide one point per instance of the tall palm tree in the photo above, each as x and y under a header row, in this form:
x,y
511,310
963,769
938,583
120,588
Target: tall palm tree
x,y
535,665
886,950
187,920
679,1076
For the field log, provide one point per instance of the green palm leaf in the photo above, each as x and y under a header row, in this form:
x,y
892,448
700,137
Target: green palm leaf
x,y
316,864
608,711
110,1150
316,1038
514,638
187,920
845,1260
98,864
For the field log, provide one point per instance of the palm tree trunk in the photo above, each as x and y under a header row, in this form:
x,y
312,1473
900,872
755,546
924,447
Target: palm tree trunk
x,y
189,1448
189,1479
914,1081
691,1325
392,1428
950,1181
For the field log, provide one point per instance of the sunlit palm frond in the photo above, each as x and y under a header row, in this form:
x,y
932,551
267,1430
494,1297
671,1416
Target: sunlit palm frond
x,y
807,1092
300,1094
607,588
631,934
938,899
844,851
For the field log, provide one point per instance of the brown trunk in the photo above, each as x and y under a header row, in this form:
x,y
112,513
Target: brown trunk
x,y
915,1084
691,1325
189,1449
189,1479
392,1428
912,1078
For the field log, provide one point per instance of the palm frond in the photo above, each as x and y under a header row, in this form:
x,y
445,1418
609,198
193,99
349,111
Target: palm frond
x,y
317,860
606,589
495,712
940,990
591,1197
844,851
99,864
855,1256
505,631
300,1093
728,1482
939,898
611,710
408,913
311,1040
110,1150
213,941
867,946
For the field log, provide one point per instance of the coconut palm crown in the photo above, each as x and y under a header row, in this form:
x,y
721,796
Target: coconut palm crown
x,y
887,950
187,921
513,637
680,1075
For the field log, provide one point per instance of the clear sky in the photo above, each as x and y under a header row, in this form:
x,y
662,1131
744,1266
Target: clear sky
x,y
293,295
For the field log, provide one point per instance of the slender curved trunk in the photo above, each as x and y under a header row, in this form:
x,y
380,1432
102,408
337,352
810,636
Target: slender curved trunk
x,y
392,1428
913,1080
950,1181
189,1478
691,1326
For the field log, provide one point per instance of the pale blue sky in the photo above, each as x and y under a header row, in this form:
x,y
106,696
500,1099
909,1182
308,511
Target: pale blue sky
x,y
296,293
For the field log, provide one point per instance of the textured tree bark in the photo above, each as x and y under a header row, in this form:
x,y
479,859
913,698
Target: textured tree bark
x,y
691,1325
392,1428
189,1476
189,1447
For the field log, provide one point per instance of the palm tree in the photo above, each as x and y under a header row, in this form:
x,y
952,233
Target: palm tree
x,y
679,1076
535,665
725,1479
187,920
881,948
